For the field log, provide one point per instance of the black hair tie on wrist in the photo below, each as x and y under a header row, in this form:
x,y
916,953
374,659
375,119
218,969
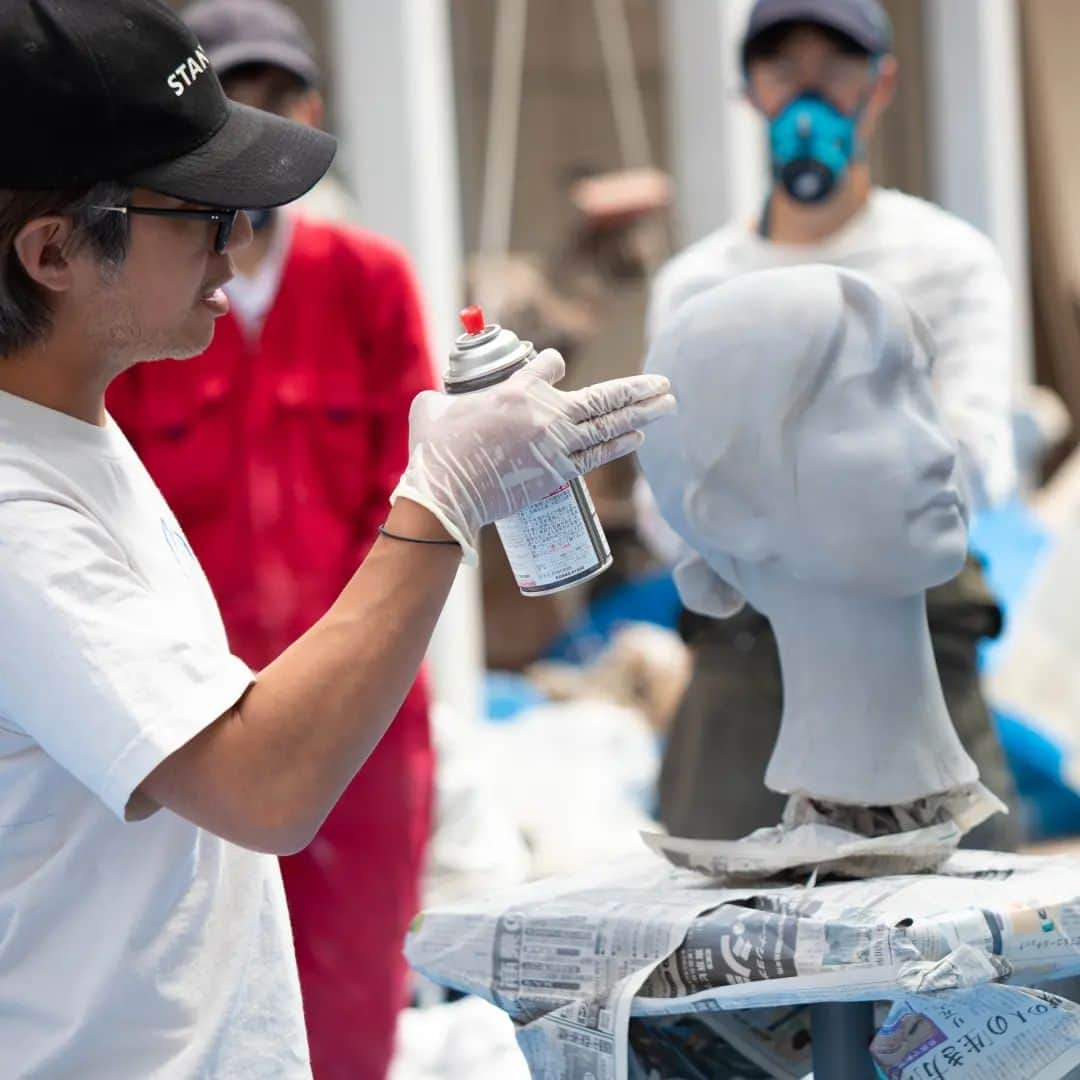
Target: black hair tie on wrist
x,y
416,539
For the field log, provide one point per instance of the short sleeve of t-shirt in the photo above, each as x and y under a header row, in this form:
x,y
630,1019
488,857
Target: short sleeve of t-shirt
x,y
94,664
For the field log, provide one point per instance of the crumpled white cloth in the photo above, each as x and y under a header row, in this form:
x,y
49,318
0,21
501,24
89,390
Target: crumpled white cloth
x,y
854,841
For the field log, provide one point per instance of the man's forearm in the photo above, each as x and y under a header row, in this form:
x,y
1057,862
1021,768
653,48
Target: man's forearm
x,y
271,769
267,772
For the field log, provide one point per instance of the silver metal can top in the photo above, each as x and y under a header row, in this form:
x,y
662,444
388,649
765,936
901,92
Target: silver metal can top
x,y
483,351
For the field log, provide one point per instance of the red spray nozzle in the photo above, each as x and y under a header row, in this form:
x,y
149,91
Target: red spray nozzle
x,y
472,318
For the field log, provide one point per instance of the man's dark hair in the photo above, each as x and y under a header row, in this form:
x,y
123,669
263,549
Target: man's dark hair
x,y
767,44
25,313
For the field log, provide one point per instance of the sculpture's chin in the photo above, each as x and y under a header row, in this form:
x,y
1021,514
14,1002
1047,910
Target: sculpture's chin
x,y
947,564
908,577
944,547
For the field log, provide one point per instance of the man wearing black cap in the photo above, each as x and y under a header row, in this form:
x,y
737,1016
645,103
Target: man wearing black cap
x,y
318,358
821,74
146,774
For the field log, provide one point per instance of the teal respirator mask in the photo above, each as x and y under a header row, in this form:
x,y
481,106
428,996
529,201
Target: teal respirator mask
x,y
812,145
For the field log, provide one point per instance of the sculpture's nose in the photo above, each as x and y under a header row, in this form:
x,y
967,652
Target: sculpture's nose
x,y
935,452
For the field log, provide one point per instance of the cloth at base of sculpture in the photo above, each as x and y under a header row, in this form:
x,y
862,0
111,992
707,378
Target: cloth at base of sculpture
x,y
820,838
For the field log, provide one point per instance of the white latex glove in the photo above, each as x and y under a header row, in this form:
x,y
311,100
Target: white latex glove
x,y
478,458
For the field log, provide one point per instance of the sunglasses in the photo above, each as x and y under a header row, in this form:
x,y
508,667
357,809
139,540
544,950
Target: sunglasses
x,y
223,218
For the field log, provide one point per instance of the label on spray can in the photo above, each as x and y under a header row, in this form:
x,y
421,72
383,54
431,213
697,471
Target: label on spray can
x,y
546,543
557,542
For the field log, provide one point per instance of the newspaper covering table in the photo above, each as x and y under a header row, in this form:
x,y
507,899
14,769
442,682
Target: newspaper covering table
x,y
575,961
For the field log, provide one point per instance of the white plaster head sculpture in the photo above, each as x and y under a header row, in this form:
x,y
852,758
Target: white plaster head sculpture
x,y
809,471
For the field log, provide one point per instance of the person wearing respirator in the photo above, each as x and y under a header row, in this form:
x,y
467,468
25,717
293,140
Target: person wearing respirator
x,y
821,74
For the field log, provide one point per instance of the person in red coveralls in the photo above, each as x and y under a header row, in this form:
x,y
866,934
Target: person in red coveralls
x,y
278,450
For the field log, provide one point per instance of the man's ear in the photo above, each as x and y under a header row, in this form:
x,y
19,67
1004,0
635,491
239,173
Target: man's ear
x,y
746,92
888,72
42,247
888,77
309,108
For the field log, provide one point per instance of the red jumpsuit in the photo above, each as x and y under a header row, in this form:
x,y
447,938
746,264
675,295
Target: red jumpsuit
x,y
278,457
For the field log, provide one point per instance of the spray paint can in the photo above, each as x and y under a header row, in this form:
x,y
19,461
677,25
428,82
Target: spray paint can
x,y
558,542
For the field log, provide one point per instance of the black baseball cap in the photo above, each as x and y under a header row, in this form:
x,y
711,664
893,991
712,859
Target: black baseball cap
x,y
122,90
864,21
236,33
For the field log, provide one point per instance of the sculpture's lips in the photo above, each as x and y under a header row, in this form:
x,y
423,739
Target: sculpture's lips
x,y
944,500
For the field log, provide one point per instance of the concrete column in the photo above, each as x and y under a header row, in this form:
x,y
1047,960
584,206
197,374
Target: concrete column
x,y
395,108
718,152
973,51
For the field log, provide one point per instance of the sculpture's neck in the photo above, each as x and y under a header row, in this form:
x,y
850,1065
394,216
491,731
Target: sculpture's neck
x,y
842,652
862,699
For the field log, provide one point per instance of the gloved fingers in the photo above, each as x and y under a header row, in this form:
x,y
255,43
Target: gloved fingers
x,y
600,398
612,425
585,461
549,367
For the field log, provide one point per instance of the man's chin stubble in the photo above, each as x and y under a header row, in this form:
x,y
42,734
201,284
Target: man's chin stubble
x,y
138,350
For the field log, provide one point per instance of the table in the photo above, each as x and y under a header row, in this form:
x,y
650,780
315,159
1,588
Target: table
x,y
572,960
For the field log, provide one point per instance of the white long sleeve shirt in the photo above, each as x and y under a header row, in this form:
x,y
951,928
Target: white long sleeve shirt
x,y
946,270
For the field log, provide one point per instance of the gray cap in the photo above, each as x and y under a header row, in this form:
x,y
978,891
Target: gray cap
x,y
239,32
864,21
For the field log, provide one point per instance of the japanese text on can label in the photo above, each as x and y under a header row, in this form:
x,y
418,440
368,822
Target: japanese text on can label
x,y
548,542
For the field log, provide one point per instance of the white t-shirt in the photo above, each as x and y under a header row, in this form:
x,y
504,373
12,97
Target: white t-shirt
x,y
146,949
947,271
